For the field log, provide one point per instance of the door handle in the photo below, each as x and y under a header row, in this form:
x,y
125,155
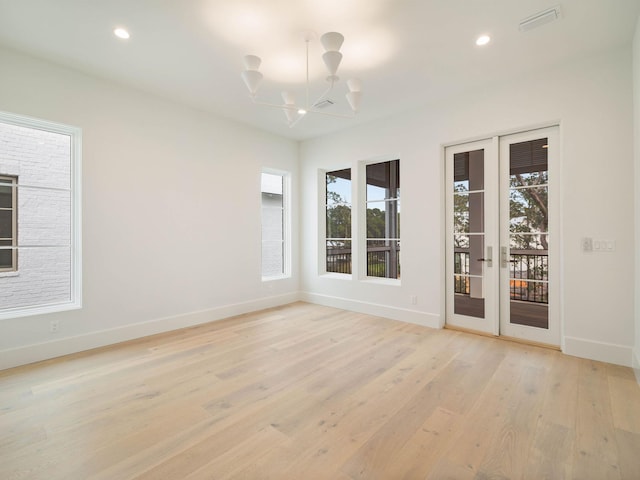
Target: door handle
x,y
489,258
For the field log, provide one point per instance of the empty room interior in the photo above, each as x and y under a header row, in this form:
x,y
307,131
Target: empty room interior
x,y
304,239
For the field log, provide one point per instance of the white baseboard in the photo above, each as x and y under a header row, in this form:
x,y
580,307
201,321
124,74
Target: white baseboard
x,y
601,351
395,313
43,351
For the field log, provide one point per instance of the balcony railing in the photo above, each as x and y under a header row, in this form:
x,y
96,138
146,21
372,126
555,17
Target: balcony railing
x,y
379,260
528,274
339,260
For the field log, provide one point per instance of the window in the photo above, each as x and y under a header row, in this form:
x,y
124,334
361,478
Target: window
x,y
383,219
274,225
8,224
39,217
338,221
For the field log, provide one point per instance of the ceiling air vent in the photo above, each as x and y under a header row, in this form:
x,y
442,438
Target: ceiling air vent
x,y
540,18
323,103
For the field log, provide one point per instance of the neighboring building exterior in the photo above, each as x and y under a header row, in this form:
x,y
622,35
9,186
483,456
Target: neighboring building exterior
x,y
39,162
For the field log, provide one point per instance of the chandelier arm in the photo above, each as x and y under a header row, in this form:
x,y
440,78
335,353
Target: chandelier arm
x,y
293,107
276,105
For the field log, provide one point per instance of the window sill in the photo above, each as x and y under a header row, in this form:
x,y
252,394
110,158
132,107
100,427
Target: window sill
x,y
9,274
278,277
394,282
337,276
39,310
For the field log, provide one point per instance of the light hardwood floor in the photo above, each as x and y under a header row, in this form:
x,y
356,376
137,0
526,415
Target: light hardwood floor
x,y
310,392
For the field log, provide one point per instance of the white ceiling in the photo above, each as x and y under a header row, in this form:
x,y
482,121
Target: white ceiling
x,y
407,52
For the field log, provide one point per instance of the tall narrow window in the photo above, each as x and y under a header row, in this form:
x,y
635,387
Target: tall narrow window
x,y
383,219
40,229
274,225
338,221
8,224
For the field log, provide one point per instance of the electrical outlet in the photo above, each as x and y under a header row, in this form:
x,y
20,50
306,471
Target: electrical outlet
x,y
587,244
54,326
414,299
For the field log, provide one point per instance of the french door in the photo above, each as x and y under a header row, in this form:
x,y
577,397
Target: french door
x,y
502,265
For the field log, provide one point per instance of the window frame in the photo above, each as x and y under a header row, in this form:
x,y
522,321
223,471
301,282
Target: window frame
x,y
324,216
286,225
12,182
75,185
362,216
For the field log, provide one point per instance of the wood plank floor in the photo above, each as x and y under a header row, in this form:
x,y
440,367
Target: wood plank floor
x,y
310,392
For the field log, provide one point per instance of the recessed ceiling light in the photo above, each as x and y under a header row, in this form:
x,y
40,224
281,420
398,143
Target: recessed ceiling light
x,y
121,33
483,40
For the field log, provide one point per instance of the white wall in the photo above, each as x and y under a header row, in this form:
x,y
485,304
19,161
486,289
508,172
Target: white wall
x,y
592,101
171,211
636,136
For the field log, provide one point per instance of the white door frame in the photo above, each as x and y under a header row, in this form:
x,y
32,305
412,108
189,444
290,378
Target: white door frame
x,y
493,181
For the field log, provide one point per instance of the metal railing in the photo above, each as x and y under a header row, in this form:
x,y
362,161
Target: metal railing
x,y
528,274
380,261
339,260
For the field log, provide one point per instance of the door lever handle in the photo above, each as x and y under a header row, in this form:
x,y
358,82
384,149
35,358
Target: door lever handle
x,y
489,258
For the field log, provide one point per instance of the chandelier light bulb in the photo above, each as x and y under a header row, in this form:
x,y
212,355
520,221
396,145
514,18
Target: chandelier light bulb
x,y
354,84
290,114
288,98
332,61
252,62
332,41
354,100
252,79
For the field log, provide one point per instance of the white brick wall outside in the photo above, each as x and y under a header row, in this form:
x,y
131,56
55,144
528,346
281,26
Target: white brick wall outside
x,y
41,161
272,224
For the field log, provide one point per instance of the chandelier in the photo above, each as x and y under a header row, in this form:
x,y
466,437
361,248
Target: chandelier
x,y
331,41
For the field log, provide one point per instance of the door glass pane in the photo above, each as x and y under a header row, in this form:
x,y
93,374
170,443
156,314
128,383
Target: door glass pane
x,y
468,171
528,209
528,238
468,212
468,227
